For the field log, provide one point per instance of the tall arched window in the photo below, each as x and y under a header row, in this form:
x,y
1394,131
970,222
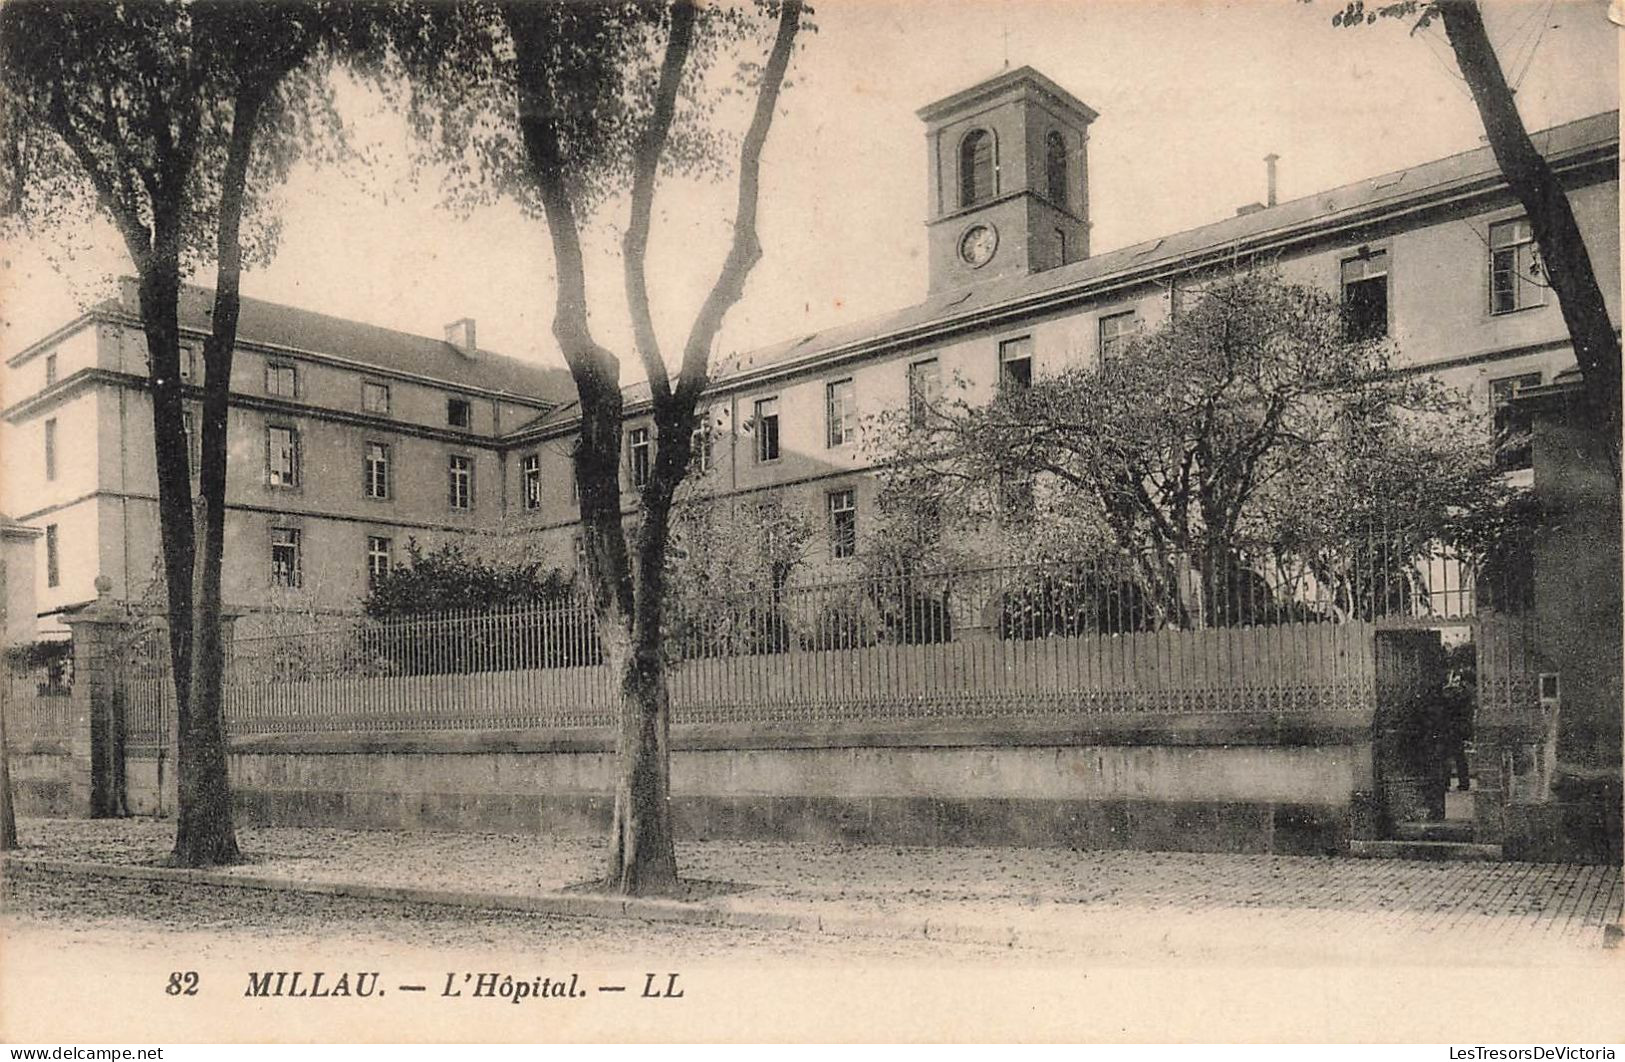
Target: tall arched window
x,y
975,167
1055,167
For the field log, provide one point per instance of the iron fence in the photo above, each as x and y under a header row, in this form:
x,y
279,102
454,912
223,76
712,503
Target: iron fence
x,y
504,669
1142,633
38,703
144,682
1384,581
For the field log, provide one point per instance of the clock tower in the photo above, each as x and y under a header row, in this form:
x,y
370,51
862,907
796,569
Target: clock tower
x,y
1009,192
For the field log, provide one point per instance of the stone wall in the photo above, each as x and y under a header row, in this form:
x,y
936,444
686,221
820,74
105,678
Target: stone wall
x,y
42,775
1205,782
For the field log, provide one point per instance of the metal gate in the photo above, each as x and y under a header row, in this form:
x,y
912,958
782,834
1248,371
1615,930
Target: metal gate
x,y
1510,736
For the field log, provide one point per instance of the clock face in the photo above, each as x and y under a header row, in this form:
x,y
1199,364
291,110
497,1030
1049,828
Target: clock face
x,y
978,244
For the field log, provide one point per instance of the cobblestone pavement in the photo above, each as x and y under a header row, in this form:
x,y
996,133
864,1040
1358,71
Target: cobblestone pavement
x,y
1188,904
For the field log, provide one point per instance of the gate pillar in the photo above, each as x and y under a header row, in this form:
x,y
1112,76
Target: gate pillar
x,y
97,740
1514,732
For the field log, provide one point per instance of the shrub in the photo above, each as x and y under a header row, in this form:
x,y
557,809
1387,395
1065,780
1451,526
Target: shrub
x,y
543,621
452,578
840,624
1075,601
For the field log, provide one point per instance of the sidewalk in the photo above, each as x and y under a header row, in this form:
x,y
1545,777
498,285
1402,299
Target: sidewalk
x,y
1100,902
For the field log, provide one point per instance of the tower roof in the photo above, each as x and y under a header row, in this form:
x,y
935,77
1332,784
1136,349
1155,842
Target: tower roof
x,y
1022,78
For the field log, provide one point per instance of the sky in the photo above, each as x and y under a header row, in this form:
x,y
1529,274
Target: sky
x,y
1191,95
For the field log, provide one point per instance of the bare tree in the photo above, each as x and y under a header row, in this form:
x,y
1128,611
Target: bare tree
x,y
595,99
642,858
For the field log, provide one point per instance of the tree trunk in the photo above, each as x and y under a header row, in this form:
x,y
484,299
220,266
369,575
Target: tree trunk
x,y
642,858
642,854
204,832
1568,264
160,321
8,813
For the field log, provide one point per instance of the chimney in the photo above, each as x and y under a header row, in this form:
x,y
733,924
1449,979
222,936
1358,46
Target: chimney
x,y
129,295
1269,167
460,334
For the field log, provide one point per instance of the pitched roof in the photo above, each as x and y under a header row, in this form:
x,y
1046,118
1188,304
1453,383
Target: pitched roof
x,y
277,325
1349,201
8,526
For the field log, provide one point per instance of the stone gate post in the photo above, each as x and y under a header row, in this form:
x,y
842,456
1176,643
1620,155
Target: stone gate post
x,y
97,741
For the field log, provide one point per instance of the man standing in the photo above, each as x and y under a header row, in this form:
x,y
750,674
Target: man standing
x,y
1456,727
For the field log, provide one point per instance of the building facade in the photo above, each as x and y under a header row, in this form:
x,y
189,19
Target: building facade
x,y
346,440
1439,258
17,609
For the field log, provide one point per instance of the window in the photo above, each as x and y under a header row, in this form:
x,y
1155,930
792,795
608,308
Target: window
x,y
1365,296
189,428
530,476
1060,247
459,413
1512,451
374,397
767,429
700,445
282,455
53,564
1515,272
637,456
285,557
976,166
924,390
1116,330
50,369
378,552
1016,364
1055,167
843,524
375,472
188,364
281,380
840,405
460,482
50,448
579,548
